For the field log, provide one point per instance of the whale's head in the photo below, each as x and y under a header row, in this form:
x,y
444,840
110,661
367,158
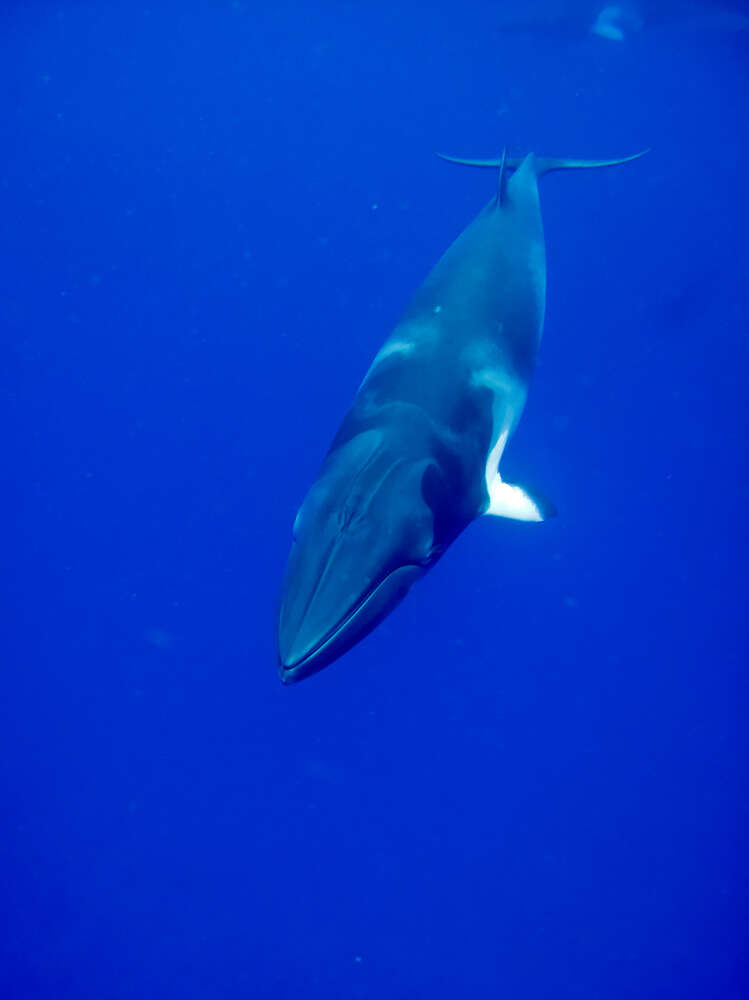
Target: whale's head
x,y
364,534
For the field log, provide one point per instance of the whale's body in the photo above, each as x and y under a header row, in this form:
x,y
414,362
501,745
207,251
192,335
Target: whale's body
x,y
416,458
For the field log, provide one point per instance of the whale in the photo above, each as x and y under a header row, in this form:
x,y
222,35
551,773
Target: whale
x,y
619,20
417,456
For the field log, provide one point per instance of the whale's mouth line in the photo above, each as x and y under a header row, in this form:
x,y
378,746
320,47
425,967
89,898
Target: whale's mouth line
x,y
331,634
289,670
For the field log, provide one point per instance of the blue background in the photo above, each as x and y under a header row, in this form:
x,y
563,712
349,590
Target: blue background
x,y
531,780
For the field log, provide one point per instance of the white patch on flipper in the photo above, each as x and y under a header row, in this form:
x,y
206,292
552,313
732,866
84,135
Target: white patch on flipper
x,y
508,400
505,499
492,465
508,500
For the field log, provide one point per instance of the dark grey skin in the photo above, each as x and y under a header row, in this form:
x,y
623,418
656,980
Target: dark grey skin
x,y
416,457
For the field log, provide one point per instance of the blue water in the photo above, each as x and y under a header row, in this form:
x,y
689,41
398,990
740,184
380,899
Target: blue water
x,y
531,780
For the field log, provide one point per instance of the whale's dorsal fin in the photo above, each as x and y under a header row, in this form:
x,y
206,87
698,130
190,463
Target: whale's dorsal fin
x,y
501,186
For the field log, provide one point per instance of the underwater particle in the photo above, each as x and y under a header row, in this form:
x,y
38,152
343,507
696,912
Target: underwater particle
x,y
159,637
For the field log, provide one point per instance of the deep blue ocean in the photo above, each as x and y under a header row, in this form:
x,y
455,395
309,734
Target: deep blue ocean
x,y
531,780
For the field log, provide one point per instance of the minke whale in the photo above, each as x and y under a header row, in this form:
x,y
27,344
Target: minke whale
x,y
417,456
618,21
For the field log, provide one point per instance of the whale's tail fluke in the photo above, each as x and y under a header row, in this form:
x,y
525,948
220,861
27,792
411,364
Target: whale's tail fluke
x,y
543,164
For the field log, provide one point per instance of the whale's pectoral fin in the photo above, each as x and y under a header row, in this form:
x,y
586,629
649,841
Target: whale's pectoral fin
x,y
517,502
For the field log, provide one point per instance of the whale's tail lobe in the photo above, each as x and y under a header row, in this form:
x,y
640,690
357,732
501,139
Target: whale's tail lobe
x,y
543,164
